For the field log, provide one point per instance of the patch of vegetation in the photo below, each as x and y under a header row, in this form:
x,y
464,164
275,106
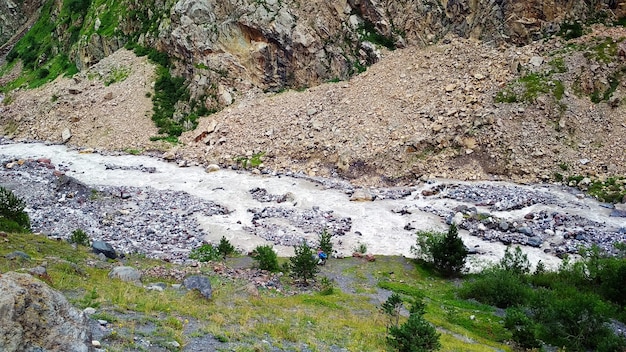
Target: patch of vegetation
x,y
79,237
360,248
43,55
116,75
13,218
610,190
568,308
266,258
558,65
205,253
325,244
571,30
527,88
225,248
614,79
416,334
247,162
368,32
303,265
445,251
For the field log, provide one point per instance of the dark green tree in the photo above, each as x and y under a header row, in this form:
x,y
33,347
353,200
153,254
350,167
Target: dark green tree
x,y
13,218
391,308
225,248
445,251
266,258
416,334
303,265
324,242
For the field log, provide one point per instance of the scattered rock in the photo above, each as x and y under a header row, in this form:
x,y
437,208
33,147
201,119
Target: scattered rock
x,y
101,247
17,255
212,168
362,195
200,283
125,273
66,135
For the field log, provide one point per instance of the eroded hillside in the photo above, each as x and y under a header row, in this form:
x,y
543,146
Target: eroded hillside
x,y
460,109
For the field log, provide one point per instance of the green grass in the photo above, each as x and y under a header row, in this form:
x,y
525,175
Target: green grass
x,y
351,321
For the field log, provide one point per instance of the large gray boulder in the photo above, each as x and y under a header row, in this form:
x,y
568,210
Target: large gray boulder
x,y
34,317
200,283
104,248
125,273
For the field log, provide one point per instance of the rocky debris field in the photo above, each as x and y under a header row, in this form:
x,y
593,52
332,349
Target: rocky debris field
x,y
418,113
164,223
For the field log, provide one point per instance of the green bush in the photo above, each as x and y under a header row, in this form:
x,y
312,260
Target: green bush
x,y
303,265
266,258
79,237
523,328
515,263
13,218
445,251
225,248
497,287
416,334
206,252
574,320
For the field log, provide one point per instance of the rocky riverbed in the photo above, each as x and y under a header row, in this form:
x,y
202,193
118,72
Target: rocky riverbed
x,y
151,206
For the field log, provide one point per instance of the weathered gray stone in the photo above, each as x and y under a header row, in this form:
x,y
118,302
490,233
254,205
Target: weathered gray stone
x,y
16,255
104,248
200,283
34,317
534,241
125,273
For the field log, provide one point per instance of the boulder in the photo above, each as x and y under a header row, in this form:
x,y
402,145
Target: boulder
x,y
34,317
106,249
362,195
125,273
17,255
200,283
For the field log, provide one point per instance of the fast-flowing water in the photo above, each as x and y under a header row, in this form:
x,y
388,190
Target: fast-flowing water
x,y
300,206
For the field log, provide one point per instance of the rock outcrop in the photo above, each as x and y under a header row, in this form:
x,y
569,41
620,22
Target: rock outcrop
x,y
34,317
14,15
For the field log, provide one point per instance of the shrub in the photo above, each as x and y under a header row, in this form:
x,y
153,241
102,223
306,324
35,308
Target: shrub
x,y
497,287
13,218
515,263
225,248
205,253
416,334
324,242
523,328
79,237
266,258
303,264
445,251
360,248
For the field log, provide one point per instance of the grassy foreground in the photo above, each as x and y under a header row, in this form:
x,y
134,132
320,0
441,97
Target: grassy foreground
x,y
239,319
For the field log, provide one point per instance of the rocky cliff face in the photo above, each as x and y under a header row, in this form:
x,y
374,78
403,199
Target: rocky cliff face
x,y
34,317
14,14
226,48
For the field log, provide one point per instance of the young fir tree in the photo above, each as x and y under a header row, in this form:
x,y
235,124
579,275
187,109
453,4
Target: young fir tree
x,y
449,253
303,265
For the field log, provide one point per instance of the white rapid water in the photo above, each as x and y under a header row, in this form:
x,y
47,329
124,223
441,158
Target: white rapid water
x,y
373,223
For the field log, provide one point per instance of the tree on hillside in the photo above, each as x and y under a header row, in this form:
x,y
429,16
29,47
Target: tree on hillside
x,y
303,265
416,334
13,218
445,251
